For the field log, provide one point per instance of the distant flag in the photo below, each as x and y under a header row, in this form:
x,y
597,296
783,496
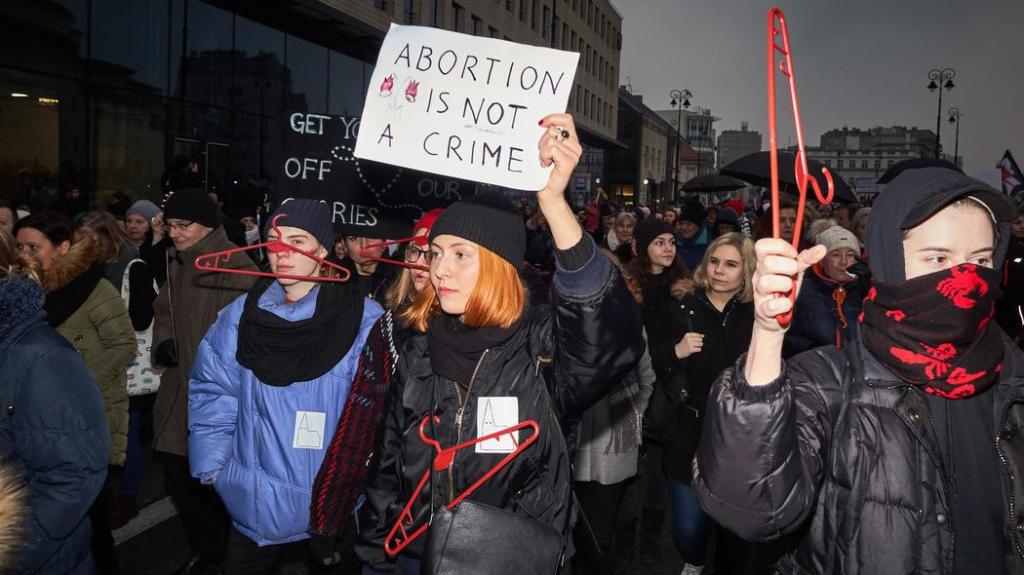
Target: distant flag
x,y
1010,173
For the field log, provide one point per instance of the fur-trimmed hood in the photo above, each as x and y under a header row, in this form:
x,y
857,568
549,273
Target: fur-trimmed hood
x,y
682,288
84,254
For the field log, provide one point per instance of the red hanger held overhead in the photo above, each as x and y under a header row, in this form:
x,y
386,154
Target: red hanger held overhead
x,y
214,261
778,31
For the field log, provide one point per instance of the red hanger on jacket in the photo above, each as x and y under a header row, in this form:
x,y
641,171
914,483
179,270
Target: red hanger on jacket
x,y
402,533
387,243
213,261
777,30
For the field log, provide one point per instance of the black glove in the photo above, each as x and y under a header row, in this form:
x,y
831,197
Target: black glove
x,y
859,269
324,550
166,354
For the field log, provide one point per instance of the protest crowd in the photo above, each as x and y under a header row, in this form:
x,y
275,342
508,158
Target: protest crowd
x,y
520,384
643,343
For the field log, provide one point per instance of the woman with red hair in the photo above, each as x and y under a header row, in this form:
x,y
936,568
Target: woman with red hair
x,y
485,359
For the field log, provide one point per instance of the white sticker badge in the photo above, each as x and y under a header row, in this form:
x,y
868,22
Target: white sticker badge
x,y
309,430
495,414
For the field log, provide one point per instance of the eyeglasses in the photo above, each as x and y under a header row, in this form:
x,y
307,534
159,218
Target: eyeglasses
x,y
414,254
176,226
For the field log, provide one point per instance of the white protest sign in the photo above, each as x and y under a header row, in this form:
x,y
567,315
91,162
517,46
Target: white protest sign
x,y
463,106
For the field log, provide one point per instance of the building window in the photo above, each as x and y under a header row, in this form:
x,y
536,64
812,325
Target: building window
x,y
565,36
508,5
593,104
478,24
380,4
590,12
546,22
408,16
587,55
889,163
533,14
522,10
572,45
458,13
863,164
586,102
493,32
878,163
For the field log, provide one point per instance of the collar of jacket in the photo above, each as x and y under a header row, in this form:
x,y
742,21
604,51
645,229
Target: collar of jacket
x,y
21,308
213,241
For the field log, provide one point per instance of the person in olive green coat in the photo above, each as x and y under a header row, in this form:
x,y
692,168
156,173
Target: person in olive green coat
x,y
88,311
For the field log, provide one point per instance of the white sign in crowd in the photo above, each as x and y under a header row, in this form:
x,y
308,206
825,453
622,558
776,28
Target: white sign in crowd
x,y
463,106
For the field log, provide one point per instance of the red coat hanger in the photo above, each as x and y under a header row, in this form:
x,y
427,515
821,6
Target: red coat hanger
x,y
387,243
402,533
213,261
777,30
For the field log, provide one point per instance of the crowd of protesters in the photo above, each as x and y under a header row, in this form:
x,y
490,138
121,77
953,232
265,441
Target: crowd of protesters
x,y
875,431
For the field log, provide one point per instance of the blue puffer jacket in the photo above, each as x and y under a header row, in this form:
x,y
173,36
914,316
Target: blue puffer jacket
x,y
52,430
244,433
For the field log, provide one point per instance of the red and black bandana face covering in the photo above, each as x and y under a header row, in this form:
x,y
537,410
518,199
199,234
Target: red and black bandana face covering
x,y
934,330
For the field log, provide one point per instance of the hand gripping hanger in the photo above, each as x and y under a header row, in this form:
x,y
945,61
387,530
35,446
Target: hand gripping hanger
x,y
212,262
387,243
400,535
777,30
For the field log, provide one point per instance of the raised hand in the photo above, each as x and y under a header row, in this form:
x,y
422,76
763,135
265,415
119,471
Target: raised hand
x,y
559,146
778,266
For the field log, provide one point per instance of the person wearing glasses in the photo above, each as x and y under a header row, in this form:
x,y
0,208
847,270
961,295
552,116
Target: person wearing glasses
x,y
411,281
371,278
186,306
484,359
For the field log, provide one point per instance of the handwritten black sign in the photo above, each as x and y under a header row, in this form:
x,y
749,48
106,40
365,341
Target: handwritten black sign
x,y
367,198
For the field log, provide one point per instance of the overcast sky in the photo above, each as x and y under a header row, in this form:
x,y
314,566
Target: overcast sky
x,y
859,63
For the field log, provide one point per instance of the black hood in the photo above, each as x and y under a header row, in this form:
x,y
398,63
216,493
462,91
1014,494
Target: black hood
x,y
913,189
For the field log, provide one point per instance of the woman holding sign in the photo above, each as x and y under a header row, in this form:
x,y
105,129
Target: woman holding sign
x,y
485,360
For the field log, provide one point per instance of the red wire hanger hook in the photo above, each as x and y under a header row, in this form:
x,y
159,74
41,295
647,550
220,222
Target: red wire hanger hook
x,y
778,31
366,251
215,261
403,533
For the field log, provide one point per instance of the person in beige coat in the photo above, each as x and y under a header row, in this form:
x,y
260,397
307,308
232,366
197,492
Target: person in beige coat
x,y
185,308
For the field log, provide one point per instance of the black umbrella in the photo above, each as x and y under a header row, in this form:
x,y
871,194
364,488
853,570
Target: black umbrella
x,y
913,164
756,169
713,183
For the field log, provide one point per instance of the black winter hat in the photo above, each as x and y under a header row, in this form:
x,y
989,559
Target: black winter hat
x,y
910,199
728,216
488,219
307,215
649,229
692,213
193,205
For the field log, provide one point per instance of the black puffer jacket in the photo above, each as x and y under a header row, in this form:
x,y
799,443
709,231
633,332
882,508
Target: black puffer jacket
x,y
840,447
593,335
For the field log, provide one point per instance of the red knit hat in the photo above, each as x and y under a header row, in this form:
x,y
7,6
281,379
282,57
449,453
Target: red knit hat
x,y
425,222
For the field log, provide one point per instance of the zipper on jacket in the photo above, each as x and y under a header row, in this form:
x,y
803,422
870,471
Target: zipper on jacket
x,y
459,416
1013,518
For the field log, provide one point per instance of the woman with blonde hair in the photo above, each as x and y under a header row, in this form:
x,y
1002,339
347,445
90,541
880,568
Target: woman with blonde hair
x,y
484,360
412,281
704,329
53,432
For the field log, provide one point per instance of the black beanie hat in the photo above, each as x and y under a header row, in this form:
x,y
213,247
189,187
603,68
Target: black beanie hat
x,y
488,219
193,205
310,216
649,229
692,213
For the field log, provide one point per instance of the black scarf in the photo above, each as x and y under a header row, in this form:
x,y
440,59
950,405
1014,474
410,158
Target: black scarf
x,y
65,300
935,330
455,348
280,352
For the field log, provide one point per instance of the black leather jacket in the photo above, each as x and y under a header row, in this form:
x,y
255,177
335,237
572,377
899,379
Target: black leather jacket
x,y
592,334
842,451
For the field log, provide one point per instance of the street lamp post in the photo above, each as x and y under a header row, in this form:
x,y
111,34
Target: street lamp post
x,y
954,118
940,79
680,100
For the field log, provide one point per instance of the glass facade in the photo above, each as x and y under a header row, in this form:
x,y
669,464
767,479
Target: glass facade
x,y
102,95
